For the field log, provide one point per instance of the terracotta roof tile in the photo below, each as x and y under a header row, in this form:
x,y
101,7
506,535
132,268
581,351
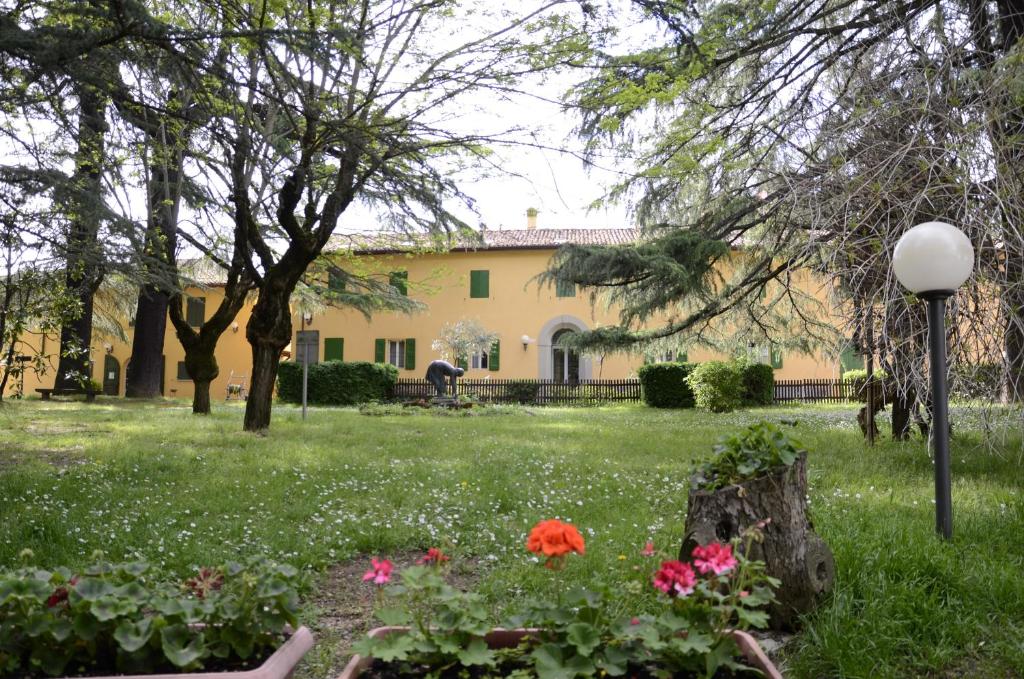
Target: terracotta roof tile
x,y
514,239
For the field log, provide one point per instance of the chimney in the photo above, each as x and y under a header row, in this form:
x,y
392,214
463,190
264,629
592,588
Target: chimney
x,y
531,218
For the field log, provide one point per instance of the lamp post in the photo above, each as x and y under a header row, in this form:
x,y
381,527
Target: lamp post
x,y
932,260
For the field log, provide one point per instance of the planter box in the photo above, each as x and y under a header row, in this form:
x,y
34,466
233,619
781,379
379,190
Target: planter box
x,y
507,638
278,666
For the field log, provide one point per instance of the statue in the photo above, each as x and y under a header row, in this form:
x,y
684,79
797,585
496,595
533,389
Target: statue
x,y
438,370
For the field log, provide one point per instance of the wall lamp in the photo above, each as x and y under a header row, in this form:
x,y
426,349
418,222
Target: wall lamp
x,y
307,318
526,341
234,326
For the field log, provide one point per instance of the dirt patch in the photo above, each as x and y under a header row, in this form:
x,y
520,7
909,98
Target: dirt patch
x,y
344,606
60,458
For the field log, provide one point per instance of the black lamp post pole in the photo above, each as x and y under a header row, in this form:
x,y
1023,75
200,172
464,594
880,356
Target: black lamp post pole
x,y
940,409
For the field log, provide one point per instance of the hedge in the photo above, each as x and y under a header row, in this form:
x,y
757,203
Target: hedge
x,y
664,385
336,383
860,380
717,386
758,384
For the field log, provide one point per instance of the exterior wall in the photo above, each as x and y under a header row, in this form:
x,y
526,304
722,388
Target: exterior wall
x,y
516,305
233,354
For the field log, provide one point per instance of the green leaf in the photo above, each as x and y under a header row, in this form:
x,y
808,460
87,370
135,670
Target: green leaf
x,y
85,625
92,589
393,647
181,646
240,639
51,660
394,617
692,643
550,663
133,636
477,653
584,637
752,618
613,661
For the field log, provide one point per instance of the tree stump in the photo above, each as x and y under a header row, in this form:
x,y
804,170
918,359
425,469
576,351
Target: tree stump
x,y
791,550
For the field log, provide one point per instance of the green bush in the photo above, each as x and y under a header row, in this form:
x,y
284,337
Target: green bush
x,y
522,391
717,386
860,380
981,381
664,385
336,383
758,384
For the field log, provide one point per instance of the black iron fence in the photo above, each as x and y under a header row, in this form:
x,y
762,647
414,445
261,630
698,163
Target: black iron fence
x,y
597,391
530,391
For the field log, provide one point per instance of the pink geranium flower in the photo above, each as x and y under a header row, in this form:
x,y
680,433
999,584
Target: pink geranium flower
x,y
648,549
380,573
675,578
714,558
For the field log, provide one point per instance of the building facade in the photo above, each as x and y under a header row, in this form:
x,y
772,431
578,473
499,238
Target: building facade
x,y
494,283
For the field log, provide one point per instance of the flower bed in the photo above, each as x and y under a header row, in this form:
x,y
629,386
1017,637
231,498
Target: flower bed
x,y
436,630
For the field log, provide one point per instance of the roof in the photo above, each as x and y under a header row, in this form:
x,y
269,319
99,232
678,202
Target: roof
x,y
201,272
514,239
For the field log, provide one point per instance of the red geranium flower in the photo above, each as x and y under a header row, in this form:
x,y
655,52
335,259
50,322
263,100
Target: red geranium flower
x,y
433,556
675,578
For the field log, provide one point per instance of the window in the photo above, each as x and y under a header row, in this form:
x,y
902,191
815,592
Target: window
x,y
334,349
195,311
396,353
479,284
335,281
400,281
183,371
399,353
776,357
565,288
478,361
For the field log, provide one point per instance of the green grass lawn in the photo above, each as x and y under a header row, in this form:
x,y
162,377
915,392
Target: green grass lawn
x,y
156,483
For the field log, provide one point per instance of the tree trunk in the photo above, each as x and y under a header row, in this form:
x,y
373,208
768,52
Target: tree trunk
x,y
142,379
901,413
269,330
82,255
143,376
792,552
201,397
1014,337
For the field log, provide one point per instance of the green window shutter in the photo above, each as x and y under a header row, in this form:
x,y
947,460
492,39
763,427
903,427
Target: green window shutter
x,y
776,357
681,357
849,359
565,288
183,371
462,362
379,351
494,358
195,311
334,349
480,284
410,353
400,281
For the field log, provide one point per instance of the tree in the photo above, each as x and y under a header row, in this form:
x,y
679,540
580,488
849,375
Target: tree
x,y
352,107
460,340
811,135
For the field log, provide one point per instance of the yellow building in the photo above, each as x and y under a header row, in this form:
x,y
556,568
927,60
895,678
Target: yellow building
x,y
493,283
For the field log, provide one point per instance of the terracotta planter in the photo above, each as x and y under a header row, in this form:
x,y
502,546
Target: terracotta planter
x,y
506,638
278,666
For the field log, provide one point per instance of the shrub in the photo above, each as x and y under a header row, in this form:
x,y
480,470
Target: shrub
x,y
981,381
664,385
859,378
337,383
717,386
759,449
522,391
758,384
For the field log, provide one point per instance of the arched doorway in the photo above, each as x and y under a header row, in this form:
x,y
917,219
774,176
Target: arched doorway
x,y
553,361
565,363
111,376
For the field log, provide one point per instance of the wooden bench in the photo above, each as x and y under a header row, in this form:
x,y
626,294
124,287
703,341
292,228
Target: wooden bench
x,y
45,394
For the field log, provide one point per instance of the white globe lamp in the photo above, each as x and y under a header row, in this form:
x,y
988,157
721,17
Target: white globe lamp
x,y
932,260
